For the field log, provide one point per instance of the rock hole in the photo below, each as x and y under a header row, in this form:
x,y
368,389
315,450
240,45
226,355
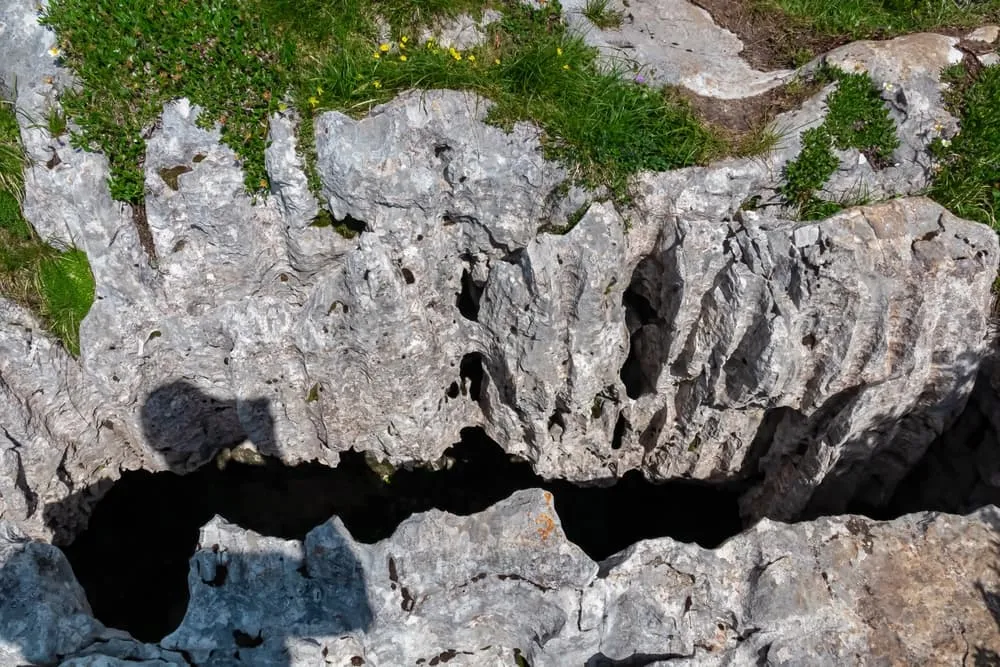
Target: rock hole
x,y
349,226
408,276
621,425
635,375
452,390
467,300
136,580
221,572
246,640
440,150
471,371
171,175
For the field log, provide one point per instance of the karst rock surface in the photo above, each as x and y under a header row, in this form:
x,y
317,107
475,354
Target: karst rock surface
x,y
483,589
683,335
698,332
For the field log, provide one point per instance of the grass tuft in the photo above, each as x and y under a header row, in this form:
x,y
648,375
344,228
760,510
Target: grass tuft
x,y
968,182
856,118
57,286
132,57
601,15
67,288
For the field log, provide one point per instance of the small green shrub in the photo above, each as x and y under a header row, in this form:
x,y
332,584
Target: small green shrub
x,y
811,169
856,118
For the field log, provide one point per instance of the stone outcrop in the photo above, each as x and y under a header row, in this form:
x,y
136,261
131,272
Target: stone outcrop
x,y
696,333
684,336
484,589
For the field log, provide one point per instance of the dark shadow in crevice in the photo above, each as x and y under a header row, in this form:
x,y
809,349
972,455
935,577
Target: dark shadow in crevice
x,y
467,301
651,302
470,369
133,559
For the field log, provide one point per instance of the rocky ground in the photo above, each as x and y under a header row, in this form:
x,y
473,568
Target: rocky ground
x,y
698,332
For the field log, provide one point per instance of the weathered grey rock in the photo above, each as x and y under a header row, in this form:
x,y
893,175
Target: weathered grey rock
x,y
844,590
44,615
683,337
675,42
483,589
986,33
441,583
808,379
462,32
961,469
43,610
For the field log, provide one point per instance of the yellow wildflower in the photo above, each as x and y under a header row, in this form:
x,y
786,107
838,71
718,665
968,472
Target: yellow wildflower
x,y
496,61
282,106
377,56
376,84
263,183
404,39
383,47
313,101
565,66
471,58
455,54
558,50
319,90
403,58
54,52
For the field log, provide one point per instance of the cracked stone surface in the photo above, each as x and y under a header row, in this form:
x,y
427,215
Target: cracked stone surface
x,y
684,336
482,589
676,42
698,333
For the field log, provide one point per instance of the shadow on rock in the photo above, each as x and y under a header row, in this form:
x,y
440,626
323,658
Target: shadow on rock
x,y
250,594
188,426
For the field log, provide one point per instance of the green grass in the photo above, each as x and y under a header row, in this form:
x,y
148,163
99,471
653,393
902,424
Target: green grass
x,y
58,286
859,19
244,59
601,15
67,287
968,182
132,57
856,118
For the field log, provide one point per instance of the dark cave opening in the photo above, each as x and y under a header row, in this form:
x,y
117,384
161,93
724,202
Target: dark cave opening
x,y
133,559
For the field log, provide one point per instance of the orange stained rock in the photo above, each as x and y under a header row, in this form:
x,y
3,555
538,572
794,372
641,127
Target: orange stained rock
x,y
546,524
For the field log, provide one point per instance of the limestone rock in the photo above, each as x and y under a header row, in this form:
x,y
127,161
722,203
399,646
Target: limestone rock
x,y
683,336
441,584
484,589
807,381
677,43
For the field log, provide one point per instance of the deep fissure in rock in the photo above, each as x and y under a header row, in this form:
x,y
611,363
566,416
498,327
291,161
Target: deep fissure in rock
x,y
470,369
133,559
467,301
